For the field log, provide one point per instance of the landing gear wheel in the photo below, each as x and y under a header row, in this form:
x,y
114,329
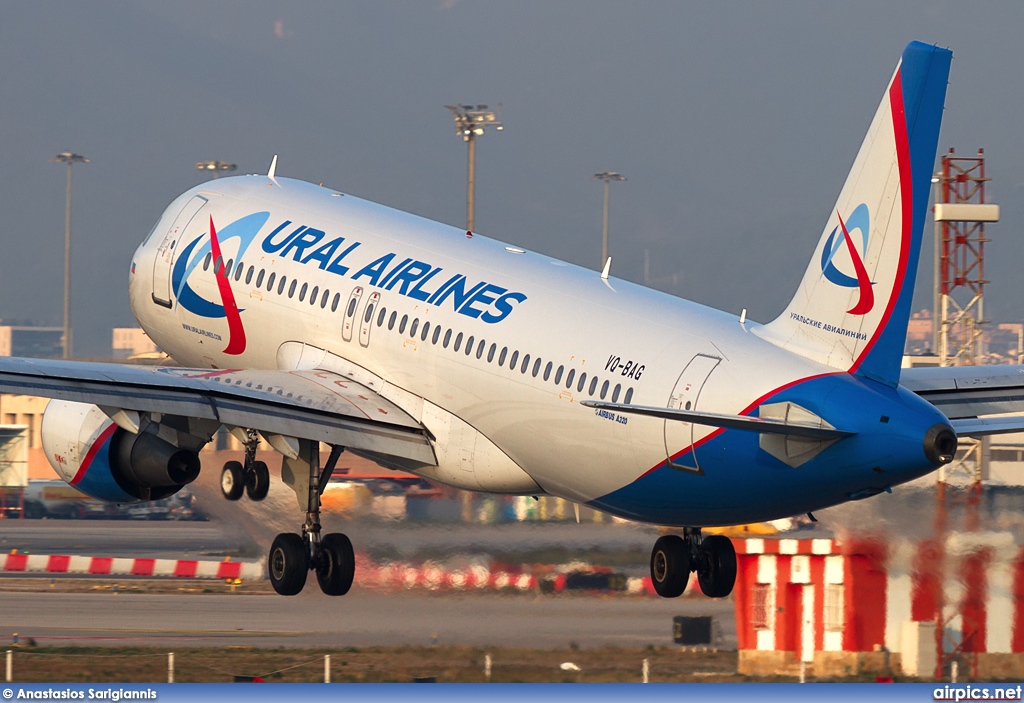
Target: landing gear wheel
x,y
716,567
670,566
289,563
257,481
232,480
336,564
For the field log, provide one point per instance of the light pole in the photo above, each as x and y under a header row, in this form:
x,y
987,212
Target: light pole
x,y
216,167
607,177
70,158
470,122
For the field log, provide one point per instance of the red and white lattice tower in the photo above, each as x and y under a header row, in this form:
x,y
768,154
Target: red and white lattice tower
x,y
961,211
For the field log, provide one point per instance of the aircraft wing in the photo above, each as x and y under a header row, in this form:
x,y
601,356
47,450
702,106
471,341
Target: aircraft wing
x,y
315,405
968,395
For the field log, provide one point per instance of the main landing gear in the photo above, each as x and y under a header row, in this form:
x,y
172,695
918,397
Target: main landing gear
x,y
293,556
712,557
253,477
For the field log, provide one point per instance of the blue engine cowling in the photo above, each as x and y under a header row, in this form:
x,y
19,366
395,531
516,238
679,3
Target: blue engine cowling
x,y
100,459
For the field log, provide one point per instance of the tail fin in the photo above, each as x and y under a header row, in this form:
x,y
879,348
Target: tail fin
x,y
853,305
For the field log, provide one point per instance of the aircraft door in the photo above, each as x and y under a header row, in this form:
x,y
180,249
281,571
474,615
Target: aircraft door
x,y
685,396
166,252
367,324
350,313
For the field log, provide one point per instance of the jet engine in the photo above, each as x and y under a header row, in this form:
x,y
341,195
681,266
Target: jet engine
x,y
99,458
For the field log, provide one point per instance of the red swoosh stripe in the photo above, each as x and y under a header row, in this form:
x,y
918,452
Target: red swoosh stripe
x,y
236,333
91,454
899,124
867,296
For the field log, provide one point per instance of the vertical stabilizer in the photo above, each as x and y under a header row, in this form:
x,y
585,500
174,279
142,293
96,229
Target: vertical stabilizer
x,y
853,304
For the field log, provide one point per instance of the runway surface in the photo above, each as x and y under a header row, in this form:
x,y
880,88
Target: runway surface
x,y
361,618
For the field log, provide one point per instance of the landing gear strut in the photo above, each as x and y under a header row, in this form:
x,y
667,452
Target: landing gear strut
x,y
253,477
292,556
712,557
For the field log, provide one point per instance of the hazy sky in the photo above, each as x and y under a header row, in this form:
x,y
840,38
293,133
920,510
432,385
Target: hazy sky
x,y
735,122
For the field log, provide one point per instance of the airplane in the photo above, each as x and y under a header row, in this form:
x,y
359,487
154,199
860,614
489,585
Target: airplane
x,y
303,315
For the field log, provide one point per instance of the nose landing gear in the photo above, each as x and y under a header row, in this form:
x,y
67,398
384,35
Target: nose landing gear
x,y
292,556
712,557
252,478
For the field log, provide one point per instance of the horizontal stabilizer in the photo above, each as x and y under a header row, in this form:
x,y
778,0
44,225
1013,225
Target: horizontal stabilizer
x,y
732,422
983,426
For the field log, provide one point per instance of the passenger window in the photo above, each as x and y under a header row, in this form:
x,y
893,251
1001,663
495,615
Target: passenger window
x,y
582,383
302,292
469,345
352,309
391,320
501,356
323,299
426,332
490,353
381,316
513,360
558,375
259,278
217,265
291,288
629,396
615,393
369,313
206,262
526,364
313,295
480,349
593,385
281,283
402,324
248,276
239,270
270,281
415,326
536,367
447,338
604,389
547,371
437,334
335,301
569,378
458,342
228,268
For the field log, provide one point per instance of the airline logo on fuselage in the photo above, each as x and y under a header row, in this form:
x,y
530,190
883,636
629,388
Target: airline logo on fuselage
x,y
406,276
858,220
312,247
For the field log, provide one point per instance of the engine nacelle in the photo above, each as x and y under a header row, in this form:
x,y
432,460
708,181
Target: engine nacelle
x,y
100,459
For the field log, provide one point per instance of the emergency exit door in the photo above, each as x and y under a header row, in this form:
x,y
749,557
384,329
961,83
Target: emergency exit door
x,y
686,396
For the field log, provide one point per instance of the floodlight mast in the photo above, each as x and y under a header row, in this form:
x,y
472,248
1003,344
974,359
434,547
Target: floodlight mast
x,y
470,123
214,166
70,158
607,177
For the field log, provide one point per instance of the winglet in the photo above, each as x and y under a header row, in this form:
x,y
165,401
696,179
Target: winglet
x,y
607,268
273,170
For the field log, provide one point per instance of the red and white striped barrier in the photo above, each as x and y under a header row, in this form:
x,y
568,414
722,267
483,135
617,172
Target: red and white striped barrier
x,y
150,568
432,577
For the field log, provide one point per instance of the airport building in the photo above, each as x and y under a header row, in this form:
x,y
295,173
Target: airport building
x,y
32,341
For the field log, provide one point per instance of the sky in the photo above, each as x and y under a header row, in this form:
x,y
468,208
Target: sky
x,y
735,123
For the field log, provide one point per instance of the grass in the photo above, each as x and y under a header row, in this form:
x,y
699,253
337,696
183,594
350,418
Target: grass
x,y
369,665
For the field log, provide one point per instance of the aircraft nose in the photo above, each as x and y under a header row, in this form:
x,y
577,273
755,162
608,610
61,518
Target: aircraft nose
x,y
940,443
